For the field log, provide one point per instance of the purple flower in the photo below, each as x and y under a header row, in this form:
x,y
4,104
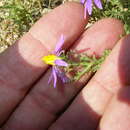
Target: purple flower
x,y
56,61
88,5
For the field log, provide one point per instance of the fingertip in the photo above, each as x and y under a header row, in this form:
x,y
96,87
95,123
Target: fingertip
x,y
102,35
67,19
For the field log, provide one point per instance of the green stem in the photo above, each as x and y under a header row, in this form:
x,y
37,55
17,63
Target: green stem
x,y
87,69
49,4
78,64
74,64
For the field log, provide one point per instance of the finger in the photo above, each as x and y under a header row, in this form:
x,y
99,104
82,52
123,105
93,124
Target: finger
x,y
21,65
117,114
86,110
47,102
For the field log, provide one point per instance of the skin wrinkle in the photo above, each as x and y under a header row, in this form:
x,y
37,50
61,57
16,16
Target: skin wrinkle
x,y
28,37
4,77
35,100
44,101
112,62
12,86
41,42
15,87
100,84
46,106
35,38
38,121
111,59
107,90
56,31
96,35
51,104
3,81
95,103
17,80
20,92
117,114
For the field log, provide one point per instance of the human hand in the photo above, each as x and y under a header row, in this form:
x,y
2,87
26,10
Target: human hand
x,y
27,102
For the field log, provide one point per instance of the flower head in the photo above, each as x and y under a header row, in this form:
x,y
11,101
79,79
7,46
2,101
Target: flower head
x,y
55,60
88,5
50,59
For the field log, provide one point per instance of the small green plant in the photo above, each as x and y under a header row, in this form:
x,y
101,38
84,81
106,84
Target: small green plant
x,y
80,64
119,9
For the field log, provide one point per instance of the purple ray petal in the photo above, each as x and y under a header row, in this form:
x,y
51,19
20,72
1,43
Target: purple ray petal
x,y
82,1
50,78
62,76
98,3
59,53
59,44
61,63
88,7
54,76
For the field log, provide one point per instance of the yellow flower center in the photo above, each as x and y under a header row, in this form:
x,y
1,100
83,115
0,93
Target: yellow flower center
x,y
50,59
